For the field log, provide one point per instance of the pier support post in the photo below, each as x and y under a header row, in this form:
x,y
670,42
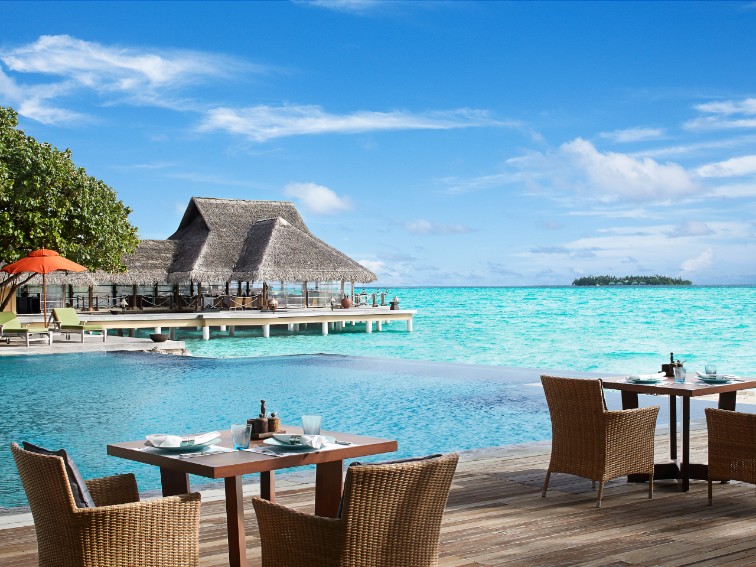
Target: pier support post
x,y
158,330
379,325
266,331
352,323
409,325
223,328
290,326
206,333
324,327
368,326
330,326
296,327
231,330
132,333
172,333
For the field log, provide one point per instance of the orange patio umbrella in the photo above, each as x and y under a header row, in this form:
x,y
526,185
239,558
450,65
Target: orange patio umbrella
x,y
43,262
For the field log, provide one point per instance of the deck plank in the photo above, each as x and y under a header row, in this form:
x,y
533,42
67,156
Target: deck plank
x,y
496,516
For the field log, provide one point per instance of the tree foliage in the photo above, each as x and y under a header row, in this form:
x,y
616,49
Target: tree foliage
x,y
46,201
629,280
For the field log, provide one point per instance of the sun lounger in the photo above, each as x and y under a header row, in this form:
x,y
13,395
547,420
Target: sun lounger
x,y
68,322
10,326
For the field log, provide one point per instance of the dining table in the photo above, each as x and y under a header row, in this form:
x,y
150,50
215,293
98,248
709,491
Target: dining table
x,y
231,465
679,467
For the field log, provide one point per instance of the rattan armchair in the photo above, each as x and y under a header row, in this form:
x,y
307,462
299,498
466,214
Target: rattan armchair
x,y
732,446
589,441
120,531
391,515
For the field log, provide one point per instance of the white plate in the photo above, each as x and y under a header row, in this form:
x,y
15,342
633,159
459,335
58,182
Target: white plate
x,y
639,380
186,449
284,443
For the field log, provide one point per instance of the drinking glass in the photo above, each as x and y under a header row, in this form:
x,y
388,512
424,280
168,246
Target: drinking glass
x,y
679,374
240,434
311,424
711,369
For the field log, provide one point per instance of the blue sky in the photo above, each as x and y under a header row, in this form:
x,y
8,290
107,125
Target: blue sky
x,y
440,143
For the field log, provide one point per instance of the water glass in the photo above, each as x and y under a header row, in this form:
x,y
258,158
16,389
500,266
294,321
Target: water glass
x,y
711,369
240,435
679,374
311,424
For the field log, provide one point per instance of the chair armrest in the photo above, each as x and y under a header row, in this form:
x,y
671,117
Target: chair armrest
x,y
110,490
164,531
292,539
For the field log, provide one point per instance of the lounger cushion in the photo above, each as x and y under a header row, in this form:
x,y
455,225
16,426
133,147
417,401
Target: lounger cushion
x,y
82,497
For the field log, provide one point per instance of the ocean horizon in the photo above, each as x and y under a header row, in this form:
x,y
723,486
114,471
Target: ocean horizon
x,y
616,329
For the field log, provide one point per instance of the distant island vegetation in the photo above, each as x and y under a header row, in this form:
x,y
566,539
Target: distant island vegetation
x,y
630,280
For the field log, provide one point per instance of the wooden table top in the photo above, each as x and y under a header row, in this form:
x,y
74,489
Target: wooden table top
x,y
236,463
692,388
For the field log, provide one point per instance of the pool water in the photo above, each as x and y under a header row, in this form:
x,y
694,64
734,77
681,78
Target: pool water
x,y
83,402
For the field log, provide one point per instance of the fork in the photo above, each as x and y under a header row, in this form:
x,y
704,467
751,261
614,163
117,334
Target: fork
x,y
263,451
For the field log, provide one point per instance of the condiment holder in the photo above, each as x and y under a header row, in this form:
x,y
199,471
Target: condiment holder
x,y
265,425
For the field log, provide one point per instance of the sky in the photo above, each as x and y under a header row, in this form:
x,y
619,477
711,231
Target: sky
x,y
437,143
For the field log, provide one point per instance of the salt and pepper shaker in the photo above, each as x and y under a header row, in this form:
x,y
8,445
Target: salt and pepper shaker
x,y
264,423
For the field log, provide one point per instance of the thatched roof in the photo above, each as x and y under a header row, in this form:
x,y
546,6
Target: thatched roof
x,y
221,240
275,250
148,264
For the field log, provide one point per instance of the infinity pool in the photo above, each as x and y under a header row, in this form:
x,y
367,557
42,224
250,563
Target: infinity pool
x,y
83,402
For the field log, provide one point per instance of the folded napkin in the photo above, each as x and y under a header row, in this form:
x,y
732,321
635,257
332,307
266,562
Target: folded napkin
x,y
314,441
717,376
646,376
175,441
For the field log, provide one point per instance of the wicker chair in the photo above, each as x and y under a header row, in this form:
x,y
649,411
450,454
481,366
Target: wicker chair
x,y
732,446
120,531
592,442
391,515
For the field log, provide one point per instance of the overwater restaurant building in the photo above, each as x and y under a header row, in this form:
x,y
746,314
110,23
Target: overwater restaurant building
x,y
228,254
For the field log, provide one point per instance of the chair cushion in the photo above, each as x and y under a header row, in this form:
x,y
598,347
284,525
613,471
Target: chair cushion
x,y
394,462
82,497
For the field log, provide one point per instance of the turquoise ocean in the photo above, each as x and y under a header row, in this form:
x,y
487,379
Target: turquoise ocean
x,y
618,329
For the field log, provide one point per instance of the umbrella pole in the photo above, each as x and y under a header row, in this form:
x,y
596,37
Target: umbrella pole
x,y
44,298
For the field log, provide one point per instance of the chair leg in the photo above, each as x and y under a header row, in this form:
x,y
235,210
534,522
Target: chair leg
x,y
600,494
710,494
82,336
546,484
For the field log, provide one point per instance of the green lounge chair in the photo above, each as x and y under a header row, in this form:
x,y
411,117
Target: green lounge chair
x,y
10,326
68,322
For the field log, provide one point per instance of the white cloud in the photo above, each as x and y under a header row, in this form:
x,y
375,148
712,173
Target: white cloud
x,y
691,228
724,115
358,6
317,199
425,227
733,167
633,135
728,107
118,74
698,263
578,167
261,123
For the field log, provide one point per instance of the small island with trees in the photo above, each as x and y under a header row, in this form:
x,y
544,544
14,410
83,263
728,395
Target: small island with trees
x,y
629,280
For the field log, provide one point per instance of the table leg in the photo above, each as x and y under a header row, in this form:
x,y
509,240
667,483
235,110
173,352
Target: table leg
x,y
268,486
629,400
685,469
328,483
727,401
174,482
673,428
237,546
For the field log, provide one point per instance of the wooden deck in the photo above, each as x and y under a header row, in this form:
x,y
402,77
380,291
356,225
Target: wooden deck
x,y
496,516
